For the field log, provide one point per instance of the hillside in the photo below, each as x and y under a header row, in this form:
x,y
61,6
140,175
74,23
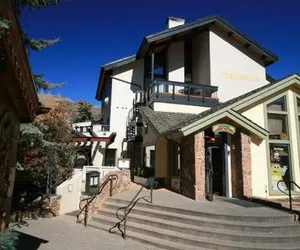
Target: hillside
x,y
52,101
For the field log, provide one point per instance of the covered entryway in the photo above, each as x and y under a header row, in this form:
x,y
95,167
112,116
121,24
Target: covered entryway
x,y
215,164
216,157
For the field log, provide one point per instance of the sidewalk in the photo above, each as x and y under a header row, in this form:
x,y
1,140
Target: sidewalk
x,y
63,233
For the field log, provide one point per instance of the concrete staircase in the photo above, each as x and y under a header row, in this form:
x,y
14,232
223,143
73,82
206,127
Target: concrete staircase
x,y
180,227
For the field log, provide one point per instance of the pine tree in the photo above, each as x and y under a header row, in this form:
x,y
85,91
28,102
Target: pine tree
x,y
84,112
34,43
36,4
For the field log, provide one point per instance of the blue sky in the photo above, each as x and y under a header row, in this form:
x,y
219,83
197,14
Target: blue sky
x,y
94,32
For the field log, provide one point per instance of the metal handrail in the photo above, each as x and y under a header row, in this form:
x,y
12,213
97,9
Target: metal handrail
x,y
289,193
109,179
131,205
205,90
163,82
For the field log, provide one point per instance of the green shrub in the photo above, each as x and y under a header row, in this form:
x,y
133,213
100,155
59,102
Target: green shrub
x,y
9,240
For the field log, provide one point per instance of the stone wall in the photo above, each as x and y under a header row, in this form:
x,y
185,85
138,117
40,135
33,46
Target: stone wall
x,y
121,182
52,207
241,165
192,178
246,165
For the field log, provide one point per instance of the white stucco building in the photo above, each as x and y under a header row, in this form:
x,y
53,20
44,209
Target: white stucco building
x,y
196,97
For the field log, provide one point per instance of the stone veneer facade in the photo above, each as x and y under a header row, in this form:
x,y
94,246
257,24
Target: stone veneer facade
x,y
246,165
192,179
120,183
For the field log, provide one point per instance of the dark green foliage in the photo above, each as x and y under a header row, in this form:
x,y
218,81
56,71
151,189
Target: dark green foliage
x,y
84,112
4,25
9,240
45,148
37,4
41,83
38,44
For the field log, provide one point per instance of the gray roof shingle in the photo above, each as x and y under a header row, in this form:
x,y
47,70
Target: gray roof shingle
x,y
163,121
223,105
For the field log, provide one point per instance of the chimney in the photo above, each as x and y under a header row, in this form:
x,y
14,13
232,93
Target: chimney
x,y
174,21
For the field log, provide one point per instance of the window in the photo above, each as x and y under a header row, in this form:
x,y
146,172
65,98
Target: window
x,y
188,61
110,157
298,112
277,105
94,180
279,144
149,156
278,126
175,159
278,119
152,158
159,67
280,166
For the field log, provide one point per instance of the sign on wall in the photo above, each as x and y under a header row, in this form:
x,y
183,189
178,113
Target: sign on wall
x,y
124,163
223,127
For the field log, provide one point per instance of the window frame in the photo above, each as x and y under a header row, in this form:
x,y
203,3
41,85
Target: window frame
x,y
115,156
272,141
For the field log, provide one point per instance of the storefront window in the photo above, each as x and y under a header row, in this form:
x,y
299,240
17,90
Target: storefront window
x,y
277,126
277,105
277,119
279,145
280,166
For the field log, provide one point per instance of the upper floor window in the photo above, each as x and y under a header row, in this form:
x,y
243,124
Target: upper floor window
x,y
159,70
188,61
110,157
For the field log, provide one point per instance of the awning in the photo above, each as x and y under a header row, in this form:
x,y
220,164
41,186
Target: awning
x,y
86,141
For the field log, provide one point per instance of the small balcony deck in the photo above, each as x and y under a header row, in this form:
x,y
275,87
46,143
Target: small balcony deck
x,y
182,93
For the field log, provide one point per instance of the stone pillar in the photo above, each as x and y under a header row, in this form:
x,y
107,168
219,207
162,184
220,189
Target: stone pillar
x,y
246,165
192,174
199,166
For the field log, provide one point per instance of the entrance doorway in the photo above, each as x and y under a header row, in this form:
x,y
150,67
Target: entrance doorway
x,y
216,157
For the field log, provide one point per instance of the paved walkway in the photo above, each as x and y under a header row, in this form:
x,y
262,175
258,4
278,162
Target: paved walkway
x,y
220,205
62,233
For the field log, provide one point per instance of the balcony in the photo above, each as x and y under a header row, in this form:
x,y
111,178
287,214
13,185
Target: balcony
x,y
182,93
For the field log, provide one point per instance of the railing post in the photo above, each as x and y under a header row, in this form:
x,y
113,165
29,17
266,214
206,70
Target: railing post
x,y
151,191
189,92
173,91
110,188
157,89
202,94
290,196
125,221
86,213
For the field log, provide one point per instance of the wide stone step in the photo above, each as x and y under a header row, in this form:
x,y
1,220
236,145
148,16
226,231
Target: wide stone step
x,y
110,209
208,222
146,239
283,217
225,234
140,231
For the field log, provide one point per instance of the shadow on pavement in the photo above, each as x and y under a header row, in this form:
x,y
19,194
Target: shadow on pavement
x,y
243,203
29,242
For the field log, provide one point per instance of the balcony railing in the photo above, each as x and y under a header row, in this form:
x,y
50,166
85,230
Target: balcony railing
x,y
182,93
